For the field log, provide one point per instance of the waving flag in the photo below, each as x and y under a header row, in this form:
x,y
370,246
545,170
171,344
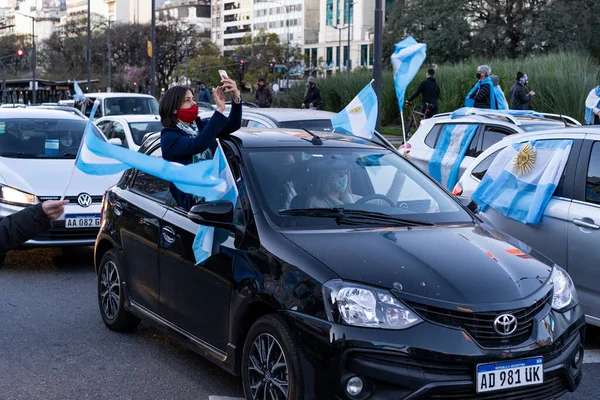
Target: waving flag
x,y
204,241
406,60
359,118
522,178
592,105
78,92
98,157
466,111
450,150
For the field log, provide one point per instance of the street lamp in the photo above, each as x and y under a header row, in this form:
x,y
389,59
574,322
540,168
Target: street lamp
x,y
33,62
340,28
348,14
287,55
153,56
108,86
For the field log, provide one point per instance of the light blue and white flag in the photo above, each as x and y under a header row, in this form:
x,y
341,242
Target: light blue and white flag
x,y
78,92
466,111
359,118
406,60
592,105
449,153
204,241
522,178
98,157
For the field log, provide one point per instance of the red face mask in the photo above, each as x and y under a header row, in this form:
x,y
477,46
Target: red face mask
x,y
188,115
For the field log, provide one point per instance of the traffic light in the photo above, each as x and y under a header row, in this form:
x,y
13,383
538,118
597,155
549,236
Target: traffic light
x,y
20,53
271,67
242,65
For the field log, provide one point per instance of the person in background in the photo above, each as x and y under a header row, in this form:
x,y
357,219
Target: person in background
x,y
430,94
312,96
519,98
185,139
482,95
263,94
203,93
592,107
499,93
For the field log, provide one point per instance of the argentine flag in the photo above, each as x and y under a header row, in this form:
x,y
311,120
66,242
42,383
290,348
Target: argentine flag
x,y
449,153
78,92
98,157
466,111
522,178
406,60
359,118
203,243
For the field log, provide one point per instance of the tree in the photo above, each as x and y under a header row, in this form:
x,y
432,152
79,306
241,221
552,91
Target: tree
x,y
16,66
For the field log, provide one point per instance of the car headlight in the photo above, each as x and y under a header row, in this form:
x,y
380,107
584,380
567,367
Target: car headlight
x,y
360,305
565,295
14,196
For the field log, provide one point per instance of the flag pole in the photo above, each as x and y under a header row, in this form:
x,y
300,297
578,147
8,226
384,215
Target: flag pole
x,y
87,126
403,130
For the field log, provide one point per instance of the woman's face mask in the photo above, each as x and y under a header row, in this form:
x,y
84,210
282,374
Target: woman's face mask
x,y
339,183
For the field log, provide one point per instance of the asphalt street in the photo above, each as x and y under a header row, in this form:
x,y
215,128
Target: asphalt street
x,y
54,345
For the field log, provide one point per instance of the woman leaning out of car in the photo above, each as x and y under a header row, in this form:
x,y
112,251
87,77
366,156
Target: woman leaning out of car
x,y
185,139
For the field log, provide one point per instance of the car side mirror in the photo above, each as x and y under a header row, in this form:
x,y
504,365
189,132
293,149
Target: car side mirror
x,y
218,214
469,203
116,141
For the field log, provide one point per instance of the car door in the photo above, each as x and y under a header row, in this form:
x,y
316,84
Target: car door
x,y
141,208
195,297
104,127
584,229
117,131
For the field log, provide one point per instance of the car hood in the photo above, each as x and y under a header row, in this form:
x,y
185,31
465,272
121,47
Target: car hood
x,y
48,177
471,264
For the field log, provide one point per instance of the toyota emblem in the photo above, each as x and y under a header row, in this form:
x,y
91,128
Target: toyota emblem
x,y
84,200
505,324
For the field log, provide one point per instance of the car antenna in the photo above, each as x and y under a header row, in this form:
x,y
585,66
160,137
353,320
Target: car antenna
x,y
315,138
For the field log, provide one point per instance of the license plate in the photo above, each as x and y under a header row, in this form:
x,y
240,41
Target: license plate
x,y
510,374
82,221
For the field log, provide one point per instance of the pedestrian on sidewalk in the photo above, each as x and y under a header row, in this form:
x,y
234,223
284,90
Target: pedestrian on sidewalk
x,y
482,95
203,93
519,98
263,96
312,96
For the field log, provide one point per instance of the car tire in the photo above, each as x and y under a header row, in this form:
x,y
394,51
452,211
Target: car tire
x,y
272,371
111,296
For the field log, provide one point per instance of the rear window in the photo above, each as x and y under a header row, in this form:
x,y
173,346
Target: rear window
x,y
141,129
323,125
130,106
480,170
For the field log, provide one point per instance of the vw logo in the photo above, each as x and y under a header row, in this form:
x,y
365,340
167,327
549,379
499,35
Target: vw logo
x,y
84,200
505,324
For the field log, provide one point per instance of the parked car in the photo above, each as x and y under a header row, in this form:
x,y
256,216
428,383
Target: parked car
x,y
491,128
113,104
569,231
129,130
38,147
69,103
403,294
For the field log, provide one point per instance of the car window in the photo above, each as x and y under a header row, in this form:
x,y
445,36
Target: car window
x,y
118,132
592,184
150,185
87,108
104,126
432,136
480,170
491,136
321,125
255,124
140,129
131,105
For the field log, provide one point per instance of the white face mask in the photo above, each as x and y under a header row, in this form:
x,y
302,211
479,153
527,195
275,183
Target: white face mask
x,y
66,140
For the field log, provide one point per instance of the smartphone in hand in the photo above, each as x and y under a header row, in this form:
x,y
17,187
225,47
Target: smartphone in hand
x,y
223,74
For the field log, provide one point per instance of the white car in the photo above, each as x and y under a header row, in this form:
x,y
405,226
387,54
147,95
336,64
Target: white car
x,y
490,129
114,104
128,130
37,154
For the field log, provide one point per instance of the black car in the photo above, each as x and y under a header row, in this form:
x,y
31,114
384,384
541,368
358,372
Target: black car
x,y
343,272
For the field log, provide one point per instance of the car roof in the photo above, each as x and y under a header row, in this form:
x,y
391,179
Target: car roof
x,y
116,94
291,114
131,118
515,121
43,113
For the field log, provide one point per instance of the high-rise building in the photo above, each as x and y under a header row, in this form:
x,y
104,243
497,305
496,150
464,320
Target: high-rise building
x,y
194,13
231,21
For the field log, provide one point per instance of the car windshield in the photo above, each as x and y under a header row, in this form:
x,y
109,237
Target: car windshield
x,y
329,187
130,105
140,129
40,137
322,125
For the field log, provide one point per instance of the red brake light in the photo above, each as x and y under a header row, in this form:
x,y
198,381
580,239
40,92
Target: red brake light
x,y
458,190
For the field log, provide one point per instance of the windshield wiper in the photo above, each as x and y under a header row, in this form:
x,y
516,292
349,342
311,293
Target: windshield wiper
x,y
19,154
348,215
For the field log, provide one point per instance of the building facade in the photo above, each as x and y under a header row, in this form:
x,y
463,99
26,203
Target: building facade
x,y
193,13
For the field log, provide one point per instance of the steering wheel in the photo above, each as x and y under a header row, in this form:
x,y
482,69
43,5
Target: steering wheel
x,y
375,196
70,149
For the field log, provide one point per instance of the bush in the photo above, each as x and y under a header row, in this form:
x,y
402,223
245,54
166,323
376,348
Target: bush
x,y
561,81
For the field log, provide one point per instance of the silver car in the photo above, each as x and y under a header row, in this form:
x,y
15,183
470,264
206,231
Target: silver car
x,y
490,129
569,232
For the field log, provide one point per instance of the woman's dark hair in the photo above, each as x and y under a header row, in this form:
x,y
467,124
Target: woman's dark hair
x,y
169,103
519,75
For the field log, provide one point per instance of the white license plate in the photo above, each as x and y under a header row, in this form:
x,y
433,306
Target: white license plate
x,y
82,221
510,374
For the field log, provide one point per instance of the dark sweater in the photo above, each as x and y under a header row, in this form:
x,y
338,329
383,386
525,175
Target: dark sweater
x,y
482,96
519,98
430,90
178,146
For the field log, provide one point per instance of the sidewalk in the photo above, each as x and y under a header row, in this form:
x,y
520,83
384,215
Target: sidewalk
x,y
395,140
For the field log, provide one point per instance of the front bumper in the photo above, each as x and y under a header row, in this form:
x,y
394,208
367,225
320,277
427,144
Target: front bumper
x,y
429,361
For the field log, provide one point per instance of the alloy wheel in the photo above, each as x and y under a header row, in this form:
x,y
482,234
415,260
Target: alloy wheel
x,y
267,369
110,289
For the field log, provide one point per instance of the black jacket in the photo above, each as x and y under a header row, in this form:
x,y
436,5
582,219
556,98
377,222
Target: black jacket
x,y
430,90
519,98
263,97
482,97
312,95
178,146
19,227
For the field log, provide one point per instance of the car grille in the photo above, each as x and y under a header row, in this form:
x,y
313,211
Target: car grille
x,y
438,367
480,324
59,232
552,388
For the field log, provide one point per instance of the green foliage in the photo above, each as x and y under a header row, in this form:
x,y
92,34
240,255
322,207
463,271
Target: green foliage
x,y
561,81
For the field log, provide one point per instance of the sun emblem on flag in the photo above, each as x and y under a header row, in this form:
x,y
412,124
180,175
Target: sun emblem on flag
x,y
355,110
525,160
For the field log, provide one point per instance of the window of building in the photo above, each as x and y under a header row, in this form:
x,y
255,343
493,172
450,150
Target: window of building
x,y
345,54
337,56
338,17
307,56
313,57
329,55
329,13
371,54
364,54
349,11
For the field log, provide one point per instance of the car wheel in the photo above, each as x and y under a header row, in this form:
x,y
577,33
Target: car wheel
x,y
271,362
111,297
